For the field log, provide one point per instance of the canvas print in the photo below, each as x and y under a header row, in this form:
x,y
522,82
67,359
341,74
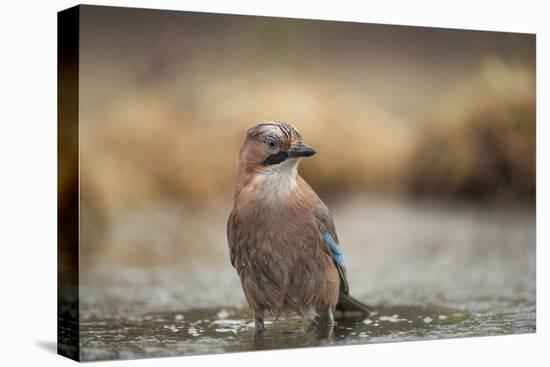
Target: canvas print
x,y
232,183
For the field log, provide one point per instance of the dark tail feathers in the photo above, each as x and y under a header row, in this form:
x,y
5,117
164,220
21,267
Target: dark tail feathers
x,y
349,305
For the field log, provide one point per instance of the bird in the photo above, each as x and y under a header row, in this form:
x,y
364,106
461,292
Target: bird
x,y
281,236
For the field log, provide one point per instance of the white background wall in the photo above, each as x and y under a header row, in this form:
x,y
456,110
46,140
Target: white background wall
x,y
28,181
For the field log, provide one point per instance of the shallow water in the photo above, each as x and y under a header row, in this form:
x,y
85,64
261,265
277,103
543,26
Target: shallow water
x,y
430,271
200,331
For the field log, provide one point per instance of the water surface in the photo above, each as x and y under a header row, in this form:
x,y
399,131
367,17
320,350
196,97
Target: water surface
x,y
430,270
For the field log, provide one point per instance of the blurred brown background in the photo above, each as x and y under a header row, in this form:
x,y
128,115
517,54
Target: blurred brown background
x,y
403,112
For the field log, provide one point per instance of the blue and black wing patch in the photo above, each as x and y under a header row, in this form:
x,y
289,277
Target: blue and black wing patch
x,y
335,249
338,257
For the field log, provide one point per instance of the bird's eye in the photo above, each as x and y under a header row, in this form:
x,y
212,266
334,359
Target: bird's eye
x,y
271,143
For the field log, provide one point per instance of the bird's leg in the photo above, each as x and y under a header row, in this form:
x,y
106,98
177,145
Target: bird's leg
x,y
330,317
325,316
259,322
323,324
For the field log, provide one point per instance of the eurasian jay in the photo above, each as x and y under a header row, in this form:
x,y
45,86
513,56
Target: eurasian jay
x,y
282,238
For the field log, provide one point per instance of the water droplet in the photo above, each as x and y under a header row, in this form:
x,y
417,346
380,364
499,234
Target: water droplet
x,y
223,314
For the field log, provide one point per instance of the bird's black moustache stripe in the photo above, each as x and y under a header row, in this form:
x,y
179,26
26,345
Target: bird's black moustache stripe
x,y
275,158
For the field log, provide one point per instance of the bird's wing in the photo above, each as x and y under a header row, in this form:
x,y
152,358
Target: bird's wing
x,y
231,237
330,239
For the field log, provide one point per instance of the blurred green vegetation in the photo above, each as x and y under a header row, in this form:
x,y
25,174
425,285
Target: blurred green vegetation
x,y
166,98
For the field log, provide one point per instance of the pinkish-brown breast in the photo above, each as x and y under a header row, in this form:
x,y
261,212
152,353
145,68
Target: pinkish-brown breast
x,y
279,254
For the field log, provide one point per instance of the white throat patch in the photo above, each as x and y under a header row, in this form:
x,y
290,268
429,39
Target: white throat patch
x,y
275,183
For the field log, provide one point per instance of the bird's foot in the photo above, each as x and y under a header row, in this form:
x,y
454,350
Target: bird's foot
x,y
259,326
322,325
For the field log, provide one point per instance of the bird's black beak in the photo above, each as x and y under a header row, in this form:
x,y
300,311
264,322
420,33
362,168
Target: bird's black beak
x,y
301,150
